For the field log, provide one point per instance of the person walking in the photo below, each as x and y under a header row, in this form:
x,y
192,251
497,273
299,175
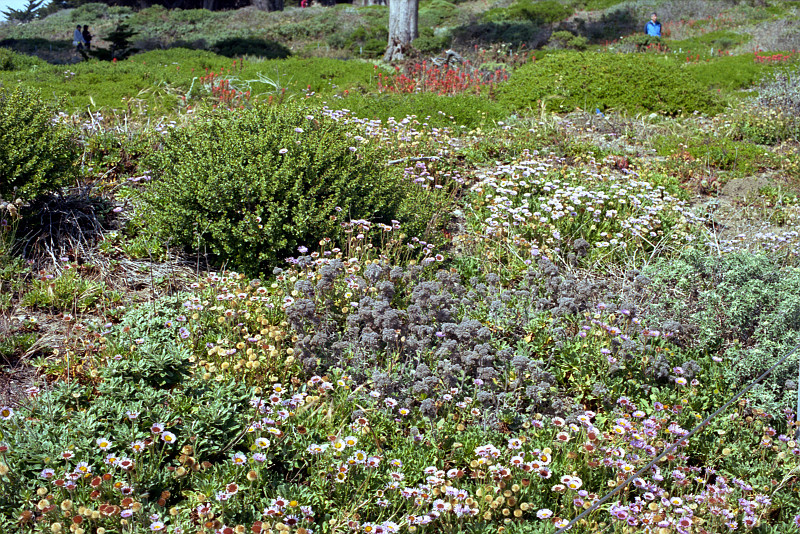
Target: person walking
x,y
77,39
653,27
87,37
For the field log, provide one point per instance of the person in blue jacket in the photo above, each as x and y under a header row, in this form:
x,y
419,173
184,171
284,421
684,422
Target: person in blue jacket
x,y
653,27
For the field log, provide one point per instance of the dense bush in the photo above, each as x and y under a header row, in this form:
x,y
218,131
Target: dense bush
x,y
36,155
252,186
566,39
630,82
13,61
543,12
728,73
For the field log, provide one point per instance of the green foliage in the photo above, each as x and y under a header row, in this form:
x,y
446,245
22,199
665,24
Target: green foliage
x,y
513,33
718,40
428,43
630,82
68,292
36,155
250,188
565,39
158,78
436,13
719,152
11,61
539,12
728,73
89,13
456,110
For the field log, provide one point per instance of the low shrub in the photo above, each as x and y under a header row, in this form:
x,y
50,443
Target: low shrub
x,y
739,306
566,39
251,187
461,110
36,154
542,12
10,61
511,33
728,73
90,12
719,152
437,13
630,82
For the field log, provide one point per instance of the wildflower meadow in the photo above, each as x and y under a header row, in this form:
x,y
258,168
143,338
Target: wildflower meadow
x,y
313,295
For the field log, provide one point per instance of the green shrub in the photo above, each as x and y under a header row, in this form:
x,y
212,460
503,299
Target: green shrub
x,y
88,13
513,33
36,155
456,110
68,292
630,82
436,13
728,73
251,186
541,12
10,60
720,152
565,39
430,44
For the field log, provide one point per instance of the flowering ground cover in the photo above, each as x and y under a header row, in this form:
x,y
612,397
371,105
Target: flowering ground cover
x,y
553,308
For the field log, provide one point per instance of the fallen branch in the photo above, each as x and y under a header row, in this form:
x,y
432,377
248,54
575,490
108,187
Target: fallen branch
x,y
419,158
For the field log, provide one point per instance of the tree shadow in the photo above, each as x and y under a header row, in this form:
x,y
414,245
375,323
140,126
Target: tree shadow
x,y
249,46
511,32
33,45
609,27
59,52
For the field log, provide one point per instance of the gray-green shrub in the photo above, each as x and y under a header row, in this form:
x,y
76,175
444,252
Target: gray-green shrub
x,y
741,305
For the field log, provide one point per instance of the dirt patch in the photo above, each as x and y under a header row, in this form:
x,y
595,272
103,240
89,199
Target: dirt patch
x,y
740,189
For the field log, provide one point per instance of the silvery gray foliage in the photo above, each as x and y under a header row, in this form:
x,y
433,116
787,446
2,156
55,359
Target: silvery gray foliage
x,y
414,337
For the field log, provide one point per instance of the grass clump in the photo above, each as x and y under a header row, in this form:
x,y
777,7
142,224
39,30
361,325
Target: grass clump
x,y
252,187
36,154
631,82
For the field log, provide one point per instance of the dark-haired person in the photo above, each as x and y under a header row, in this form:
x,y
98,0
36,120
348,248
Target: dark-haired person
x,y
77,39
653,27
87,37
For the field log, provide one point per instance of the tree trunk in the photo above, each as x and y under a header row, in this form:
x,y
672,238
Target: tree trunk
x,y
402,28
209,4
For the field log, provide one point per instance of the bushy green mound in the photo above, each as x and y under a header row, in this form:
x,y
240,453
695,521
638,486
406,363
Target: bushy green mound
x,y
36,154
10,60
629,82
541,12
251,186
